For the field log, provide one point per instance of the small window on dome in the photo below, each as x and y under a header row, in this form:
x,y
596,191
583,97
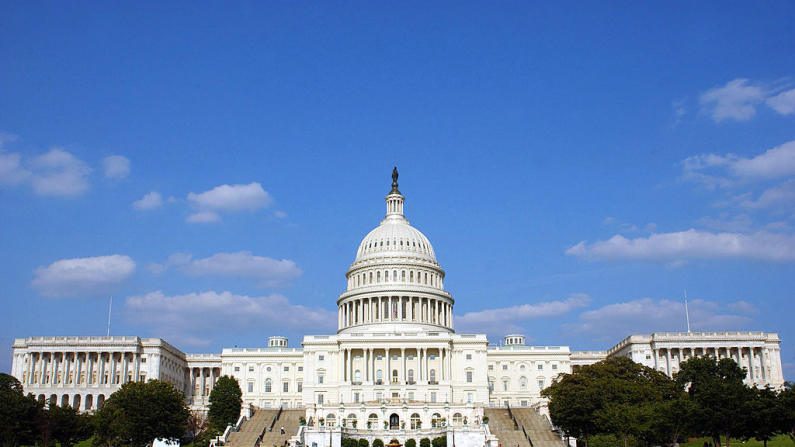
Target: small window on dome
x,y
382,243
387,243
413,243
401,242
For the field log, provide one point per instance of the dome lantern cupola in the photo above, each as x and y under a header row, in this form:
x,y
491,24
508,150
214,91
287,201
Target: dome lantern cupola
x,y
394,201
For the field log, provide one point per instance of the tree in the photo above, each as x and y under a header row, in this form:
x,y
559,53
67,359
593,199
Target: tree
x,y
68,426
225,402
785,402
439,441
717,387
378,442
198,423
139,413
363,442
18,413
411,442
425,442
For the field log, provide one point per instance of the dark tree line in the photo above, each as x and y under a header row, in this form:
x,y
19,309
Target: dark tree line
x,y
133,416
640,406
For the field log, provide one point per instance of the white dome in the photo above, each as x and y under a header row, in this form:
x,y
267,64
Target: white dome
x,y
395,237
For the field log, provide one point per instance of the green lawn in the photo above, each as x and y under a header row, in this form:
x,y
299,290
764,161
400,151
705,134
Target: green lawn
x,y
778,441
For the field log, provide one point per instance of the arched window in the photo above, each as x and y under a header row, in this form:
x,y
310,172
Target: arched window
x,y
522,383
372,420
432,375
411,376
436,420
267,385
331,420
357,376
378,377
351,420
458,420
394,376
415,421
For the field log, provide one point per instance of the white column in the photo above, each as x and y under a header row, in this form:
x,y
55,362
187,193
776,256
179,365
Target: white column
x,y
420,362
365,365
350,365
762,364
388,371
403,360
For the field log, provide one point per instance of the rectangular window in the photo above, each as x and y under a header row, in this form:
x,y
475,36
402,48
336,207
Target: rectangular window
x,y
378,396
469,376
286,387
237,369
433,396
469,356
469,398
554,366
505,385
432,357
524,403
356,397
320,378
143,360
540,366
541,384
300,368
320,358
320,399
300,386
250,369
251,387
411,357
411,395
394,357
378,357
648,357
357,357
491,367
286,368
505,367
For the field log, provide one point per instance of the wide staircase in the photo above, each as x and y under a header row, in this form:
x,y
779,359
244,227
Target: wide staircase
x,y
260,424
511,434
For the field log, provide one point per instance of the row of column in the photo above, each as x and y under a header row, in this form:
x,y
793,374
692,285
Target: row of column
x,y
369,358
414,277
391,309
203,380
81,368
734,352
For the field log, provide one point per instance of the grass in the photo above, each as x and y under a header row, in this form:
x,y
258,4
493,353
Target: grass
x,y
778,441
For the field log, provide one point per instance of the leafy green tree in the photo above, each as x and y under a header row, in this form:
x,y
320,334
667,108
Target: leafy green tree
x,y
378,442
717,388
763,418
198,424
572,404
225,401
18,413
439,441
139,413
785,402
425,442
363,442
411,442
68,426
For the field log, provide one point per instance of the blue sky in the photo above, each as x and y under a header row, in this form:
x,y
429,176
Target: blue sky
x,y
214,166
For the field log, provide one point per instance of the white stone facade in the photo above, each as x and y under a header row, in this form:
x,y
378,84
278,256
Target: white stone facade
x,y
395,362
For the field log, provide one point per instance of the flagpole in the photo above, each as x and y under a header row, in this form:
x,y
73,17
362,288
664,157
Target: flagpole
x,y
110,308
687,313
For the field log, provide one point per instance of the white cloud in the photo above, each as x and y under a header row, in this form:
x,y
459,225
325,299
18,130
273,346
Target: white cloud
x,y
172,260
736,100
782,195
11,170
643,316
182,314
203,217
280,214
504,320
116,166
729,170
83,276
783,103
690,244
776,162
150,201
266,271
59,173
232,198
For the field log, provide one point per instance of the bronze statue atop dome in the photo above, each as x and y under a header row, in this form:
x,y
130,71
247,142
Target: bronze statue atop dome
x,y
394,181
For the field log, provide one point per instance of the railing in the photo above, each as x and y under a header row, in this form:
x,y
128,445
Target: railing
x,y
526,436
513,418
276,418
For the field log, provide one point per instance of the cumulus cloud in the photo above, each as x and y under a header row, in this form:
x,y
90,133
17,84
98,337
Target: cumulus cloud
x,y
646,315
690,244
723,171
150,201
782,195
267,272
116,166
232,198
783,103
183,313
738,100
505,320
174,259
83,276
204,217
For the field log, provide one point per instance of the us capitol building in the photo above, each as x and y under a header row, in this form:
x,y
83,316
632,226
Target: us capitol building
x,y
395,361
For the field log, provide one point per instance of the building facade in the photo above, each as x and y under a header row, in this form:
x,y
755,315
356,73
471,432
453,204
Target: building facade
x,y
395,361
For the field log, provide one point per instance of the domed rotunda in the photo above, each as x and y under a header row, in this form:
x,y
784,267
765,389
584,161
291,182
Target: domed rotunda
x,y
395,283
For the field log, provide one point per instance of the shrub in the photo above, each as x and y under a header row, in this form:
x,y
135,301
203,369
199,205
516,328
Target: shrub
x,y
364,443
440,441
425,442
378,442
411,442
